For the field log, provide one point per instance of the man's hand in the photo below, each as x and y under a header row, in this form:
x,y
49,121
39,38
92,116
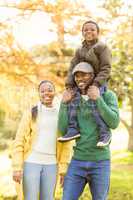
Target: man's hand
x,y
93,92
67,96
17,176
61,180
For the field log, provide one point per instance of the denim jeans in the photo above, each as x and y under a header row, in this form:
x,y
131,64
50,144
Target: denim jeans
x,y
72,114
96,174
38,180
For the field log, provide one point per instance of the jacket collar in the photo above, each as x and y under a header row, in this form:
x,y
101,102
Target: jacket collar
x,y
89,44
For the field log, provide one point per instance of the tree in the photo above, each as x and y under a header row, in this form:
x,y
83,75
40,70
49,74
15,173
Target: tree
x,y
122,45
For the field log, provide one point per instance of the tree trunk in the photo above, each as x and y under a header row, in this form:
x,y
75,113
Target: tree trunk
x,y
130,129
130,141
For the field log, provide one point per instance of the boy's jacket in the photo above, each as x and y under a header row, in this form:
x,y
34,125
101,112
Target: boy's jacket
x,y
98,55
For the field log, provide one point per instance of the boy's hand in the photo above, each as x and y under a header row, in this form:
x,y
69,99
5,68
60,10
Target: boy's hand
x,y
93,92
67,96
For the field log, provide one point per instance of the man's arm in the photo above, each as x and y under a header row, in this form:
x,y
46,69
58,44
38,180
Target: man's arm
x,y
108,109
63,119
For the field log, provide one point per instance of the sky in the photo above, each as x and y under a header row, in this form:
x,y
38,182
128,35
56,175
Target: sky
x,y
35,30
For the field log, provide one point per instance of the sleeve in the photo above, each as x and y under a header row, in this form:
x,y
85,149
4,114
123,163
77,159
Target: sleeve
x,y
108,109
18,144
75,60
104,55
63,119
65,154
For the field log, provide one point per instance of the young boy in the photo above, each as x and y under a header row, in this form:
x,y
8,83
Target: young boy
x,y
98,55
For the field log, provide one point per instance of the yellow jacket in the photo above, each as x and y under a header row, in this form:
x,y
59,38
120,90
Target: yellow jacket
x,y
24,140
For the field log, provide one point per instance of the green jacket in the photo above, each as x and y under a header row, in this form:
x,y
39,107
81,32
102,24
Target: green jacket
x,y
98,55
85,148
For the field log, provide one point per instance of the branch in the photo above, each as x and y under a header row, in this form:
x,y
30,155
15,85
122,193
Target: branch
x,y
22,8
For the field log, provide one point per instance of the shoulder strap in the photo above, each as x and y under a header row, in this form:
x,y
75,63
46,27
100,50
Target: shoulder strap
x,y
34,112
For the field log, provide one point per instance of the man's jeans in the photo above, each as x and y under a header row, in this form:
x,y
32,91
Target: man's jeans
x,y
96,174
39,179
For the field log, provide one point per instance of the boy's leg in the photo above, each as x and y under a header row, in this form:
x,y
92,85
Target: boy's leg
x,y
100,180
31,181
104,134
75,181
73,129
48,182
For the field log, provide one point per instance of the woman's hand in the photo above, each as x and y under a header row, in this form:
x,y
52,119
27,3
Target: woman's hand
x,y
17,176
67,95
93,92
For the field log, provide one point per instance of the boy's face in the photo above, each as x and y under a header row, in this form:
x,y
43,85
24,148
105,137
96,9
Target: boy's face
x,y
90,32
47,93
83,80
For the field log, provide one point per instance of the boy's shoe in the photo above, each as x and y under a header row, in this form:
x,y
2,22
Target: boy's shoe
x,y
68,137
104,141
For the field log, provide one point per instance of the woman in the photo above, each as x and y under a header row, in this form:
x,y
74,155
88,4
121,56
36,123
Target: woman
x,y
36,152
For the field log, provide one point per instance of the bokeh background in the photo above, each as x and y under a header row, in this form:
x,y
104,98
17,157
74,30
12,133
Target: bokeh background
x,y
37,41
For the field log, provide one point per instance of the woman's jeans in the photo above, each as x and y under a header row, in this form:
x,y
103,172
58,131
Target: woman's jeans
x,y
38,180
96,174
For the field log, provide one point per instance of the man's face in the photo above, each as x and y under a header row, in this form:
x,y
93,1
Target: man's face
x,y
46,93
83,80
90,32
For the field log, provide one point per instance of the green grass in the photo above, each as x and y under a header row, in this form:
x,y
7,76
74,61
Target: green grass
x,y
121,179
122,157
121,184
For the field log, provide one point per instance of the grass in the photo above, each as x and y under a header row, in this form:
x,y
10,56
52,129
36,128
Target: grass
x,y
121,179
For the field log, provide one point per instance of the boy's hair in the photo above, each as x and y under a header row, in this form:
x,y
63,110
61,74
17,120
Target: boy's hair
x,y
91,22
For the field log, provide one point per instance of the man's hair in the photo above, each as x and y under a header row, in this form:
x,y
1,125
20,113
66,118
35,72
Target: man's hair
x,y
91,22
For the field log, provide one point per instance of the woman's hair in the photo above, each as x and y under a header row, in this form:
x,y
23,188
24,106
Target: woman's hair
x,y
91,22
34,110
45,81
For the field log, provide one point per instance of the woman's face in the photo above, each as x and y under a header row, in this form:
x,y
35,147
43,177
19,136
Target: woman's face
x,y
47,93
90,32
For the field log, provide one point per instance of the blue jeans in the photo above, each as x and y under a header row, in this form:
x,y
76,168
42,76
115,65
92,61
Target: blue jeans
x,y
72,114
96,174
39,180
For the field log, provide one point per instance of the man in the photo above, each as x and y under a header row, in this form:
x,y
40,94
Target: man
x,y
90,164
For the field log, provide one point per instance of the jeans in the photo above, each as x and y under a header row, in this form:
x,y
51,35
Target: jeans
x,y
38,180
96,174
73,127
72,114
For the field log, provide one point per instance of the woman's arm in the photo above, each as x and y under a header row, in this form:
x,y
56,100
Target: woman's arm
x,y
19,142
108,109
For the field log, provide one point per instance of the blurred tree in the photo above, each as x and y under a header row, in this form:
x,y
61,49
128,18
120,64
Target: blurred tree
x,y
64,15
22,67
121,15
